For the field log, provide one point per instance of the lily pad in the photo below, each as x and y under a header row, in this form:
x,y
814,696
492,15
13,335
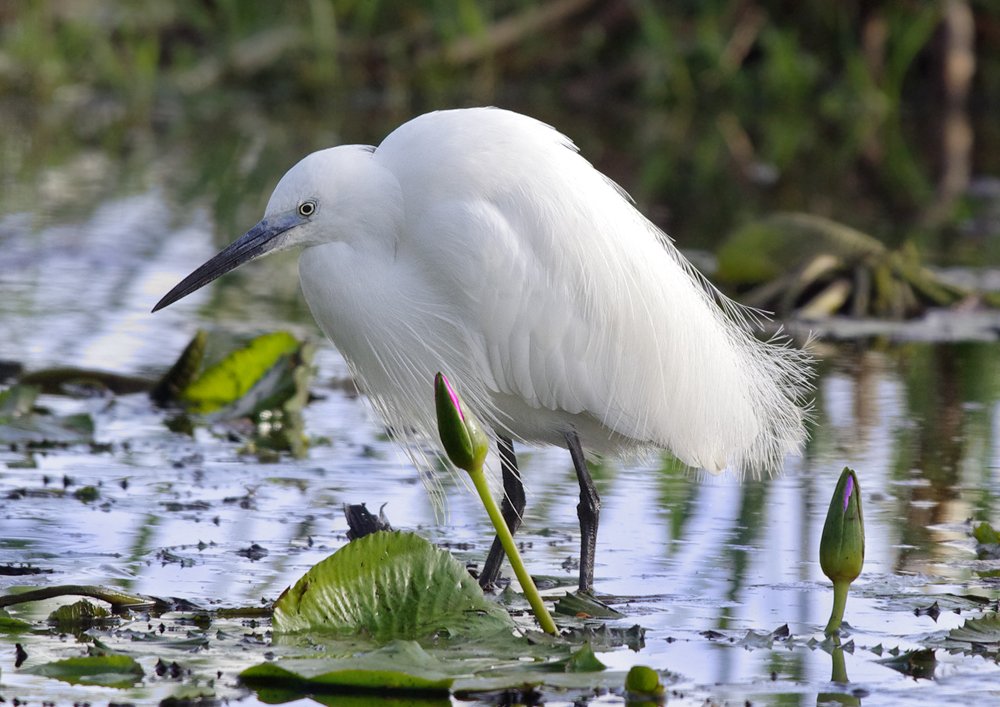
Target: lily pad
x,y
399,666
389,585
259,367
983,630
103,670
22,423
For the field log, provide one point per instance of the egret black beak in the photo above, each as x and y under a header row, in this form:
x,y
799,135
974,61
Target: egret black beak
x,y
256,242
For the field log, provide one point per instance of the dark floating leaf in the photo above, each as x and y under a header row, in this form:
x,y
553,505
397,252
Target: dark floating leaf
x,y
361,522
934,611
604,637
21,570
254,552
918,664
712,635
585,606
83,382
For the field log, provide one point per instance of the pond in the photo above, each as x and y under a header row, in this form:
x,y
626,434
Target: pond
x,y
697,562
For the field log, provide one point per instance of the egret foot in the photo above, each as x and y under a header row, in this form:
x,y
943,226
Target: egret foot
x,y
588,511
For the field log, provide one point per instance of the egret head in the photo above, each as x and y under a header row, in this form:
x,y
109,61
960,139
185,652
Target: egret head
x,y
338,194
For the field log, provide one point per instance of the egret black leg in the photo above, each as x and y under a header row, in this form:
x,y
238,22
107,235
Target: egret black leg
x,y
511,509
588,511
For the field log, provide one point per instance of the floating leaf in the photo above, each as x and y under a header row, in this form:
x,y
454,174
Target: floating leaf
x,y
80,613
231,379
183,373
584,606
985,534
582,661
9,624
398,666
985,629
39,429
103,670
84,381
918,663
18,400
389,585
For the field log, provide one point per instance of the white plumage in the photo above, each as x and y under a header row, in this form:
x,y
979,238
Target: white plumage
x,y
479,243
499,255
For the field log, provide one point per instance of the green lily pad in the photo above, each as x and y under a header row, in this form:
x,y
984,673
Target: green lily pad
x,y
103,670
21,423
401,666
386,586
230,380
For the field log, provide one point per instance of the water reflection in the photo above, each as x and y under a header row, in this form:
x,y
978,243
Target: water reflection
x,y
680,555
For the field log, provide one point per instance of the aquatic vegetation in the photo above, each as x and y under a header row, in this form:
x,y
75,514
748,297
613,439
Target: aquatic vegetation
x,y
808,266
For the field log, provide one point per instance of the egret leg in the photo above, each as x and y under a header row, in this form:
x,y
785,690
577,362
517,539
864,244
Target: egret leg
x,y
511,509
588,511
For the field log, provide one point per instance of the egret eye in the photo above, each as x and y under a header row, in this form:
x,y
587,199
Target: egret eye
x,y
307,208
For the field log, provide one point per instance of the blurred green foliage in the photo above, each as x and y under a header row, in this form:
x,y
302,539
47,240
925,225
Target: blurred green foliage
x,y
839,109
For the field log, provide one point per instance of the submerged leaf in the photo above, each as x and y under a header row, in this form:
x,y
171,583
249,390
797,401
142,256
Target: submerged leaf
x,y
389,585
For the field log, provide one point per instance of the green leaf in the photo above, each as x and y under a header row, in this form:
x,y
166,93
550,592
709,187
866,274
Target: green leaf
x,y
17,400
183,372
41,429
399,666
985,629
584,661
985,534
80,613
917,663
232,378
104,670
8,624
585,606
389,585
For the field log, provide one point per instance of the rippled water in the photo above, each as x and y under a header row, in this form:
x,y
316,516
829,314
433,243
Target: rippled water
x,y
678,555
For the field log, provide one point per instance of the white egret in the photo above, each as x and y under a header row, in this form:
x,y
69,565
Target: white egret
x,y
480,243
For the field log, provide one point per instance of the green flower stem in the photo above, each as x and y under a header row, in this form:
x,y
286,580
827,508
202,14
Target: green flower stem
x,y
507,540
840,589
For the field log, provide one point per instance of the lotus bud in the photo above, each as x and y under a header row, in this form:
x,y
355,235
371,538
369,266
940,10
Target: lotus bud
x,y
463,438
842,546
